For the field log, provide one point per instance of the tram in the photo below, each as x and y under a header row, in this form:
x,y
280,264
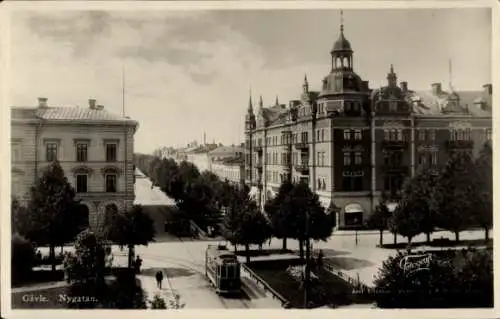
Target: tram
x,y
222,269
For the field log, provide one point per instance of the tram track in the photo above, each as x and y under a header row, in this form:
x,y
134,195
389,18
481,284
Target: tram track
x,y
199,269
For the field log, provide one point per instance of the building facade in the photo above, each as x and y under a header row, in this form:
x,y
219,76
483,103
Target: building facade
x,y
227,162
94,147
351,143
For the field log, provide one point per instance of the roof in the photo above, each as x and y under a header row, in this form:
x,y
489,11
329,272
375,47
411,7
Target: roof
x,y
226,151
67,114
342,44
427,103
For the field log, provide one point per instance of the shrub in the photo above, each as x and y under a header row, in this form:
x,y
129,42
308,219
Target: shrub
x,y
23,258
158,303
451,279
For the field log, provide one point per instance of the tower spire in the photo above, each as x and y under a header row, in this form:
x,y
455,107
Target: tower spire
x,y
277,102
450,75
261,104
123,90
250,105
342,21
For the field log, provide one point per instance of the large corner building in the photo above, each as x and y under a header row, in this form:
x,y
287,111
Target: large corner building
x,y
95,149
352,143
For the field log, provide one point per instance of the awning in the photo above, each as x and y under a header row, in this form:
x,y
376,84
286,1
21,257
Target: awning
x,y
391,206
353,208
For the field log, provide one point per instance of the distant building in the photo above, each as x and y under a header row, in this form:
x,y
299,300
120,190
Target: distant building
x,y
363,142
95,149
198,155
227,162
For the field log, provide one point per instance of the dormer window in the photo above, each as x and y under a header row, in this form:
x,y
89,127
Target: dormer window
x,y
393,106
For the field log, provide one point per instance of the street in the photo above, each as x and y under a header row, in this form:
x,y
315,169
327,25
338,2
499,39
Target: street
x,y
181,260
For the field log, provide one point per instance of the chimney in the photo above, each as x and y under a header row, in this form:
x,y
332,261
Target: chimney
x,y
404,86
42,102
436,88
92,104
365,85
488,89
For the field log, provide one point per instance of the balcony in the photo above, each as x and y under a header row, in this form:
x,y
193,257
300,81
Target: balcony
x,y
258,148
302,168
302,146
258,165
286,168
394,144
459,144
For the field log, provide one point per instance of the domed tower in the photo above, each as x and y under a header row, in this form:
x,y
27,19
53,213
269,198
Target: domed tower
x,y
343,91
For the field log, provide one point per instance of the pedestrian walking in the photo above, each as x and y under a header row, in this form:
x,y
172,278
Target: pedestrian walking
x,y
159,278
138,264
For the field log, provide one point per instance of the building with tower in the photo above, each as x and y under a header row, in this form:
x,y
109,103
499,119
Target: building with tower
x,y
352,143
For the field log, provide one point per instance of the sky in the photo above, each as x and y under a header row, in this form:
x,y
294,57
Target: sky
x,y
190,72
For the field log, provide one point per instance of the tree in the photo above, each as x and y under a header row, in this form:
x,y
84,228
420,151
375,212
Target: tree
x,y
278,213
454,196
130,229
22,258
52,199
303,205
406,219
85,268
244,224
380,218
420,193
20,219
483,203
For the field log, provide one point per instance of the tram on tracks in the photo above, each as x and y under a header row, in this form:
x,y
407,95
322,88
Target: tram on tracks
x,y
222,269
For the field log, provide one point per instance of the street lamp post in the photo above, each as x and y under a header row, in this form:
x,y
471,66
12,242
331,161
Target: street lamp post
x,y
356,230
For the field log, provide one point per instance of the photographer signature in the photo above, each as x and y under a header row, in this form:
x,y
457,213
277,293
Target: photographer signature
x,y
413,263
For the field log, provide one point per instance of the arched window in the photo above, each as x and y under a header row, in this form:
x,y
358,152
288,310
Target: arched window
x,y
400,135
460,135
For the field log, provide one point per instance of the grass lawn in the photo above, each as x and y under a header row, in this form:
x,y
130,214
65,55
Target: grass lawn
x,y
327,290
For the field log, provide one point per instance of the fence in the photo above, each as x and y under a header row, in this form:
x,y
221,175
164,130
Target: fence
x,y
267,288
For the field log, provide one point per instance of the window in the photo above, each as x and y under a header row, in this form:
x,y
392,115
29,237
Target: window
x,y
81,183
16,153
357,183
318,158
81,152
110,152
51,152
319,184
422,159
434,155
393,106
355,106
421,135
347,135
432,135
317,135
357,135
387,135
324,184
488,134
110,183
358,158
399,135
347,158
